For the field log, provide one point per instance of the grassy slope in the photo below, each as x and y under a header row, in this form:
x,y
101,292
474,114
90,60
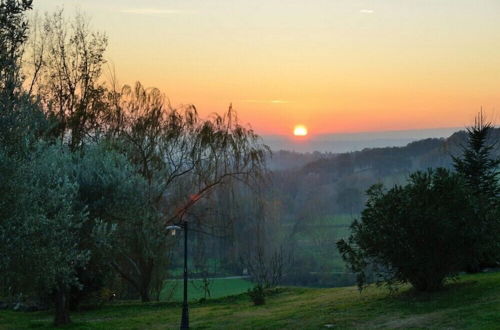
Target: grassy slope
x,y
472,302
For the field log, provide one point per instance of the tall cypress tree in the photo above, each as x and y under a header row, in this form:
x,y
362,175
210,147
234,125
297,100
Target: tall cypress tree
x,y
480,169
477,164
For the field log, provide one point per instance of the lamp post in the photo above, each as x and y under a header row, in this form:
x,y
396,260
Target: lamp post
x,y
185,307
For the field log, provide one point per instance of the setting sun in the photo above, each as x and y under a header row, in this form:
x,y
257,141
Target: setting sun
x,y
300,130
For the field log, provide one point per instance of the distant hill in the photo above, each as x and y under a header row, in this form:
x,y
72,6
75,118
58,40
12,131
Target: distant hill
x,y
414,155
347,142
417,155
335,184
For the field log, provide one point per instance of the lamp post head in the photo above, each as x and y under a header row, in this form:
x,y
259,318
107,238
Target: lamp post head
x,y
173,228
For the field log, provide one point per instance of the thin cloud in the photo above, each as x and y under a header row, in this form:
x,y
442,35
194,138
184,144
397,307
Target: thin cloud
x,y
153,11
266,101
367,11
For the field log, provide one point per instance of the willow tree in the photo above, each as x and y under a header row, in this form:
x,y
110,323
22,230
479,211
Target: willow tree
x,y
183,158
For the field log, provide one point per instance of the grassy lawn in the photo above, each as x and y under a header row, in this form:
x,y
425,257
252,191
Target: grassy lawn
x,y
473,302
173,290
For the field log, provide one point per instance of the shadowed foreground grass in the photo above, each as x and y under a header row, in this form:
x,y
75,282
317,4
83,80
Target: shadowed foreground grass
x,y
471,302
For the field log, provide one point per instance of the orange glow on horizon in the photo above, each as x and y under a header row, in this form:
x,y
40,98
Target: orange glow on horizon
x,y
339,67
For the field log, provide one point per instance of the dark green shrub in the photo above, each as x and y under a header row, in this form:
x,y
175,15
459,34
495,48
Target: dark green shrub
x,y
257,295
417,234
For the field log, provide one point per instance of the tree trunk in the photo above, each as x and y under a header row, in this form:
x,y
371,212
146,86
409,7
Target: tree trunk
x,y
145,295
143,281
62,306
146,276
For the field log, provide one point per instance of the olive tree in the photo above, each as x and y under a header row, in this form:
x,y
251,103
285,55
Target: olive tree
x,y
40,238
111,191
62,216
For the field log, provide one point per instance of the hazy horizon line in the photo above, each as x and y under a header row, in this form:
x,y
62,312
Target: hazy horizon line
x,y
349,142
396,131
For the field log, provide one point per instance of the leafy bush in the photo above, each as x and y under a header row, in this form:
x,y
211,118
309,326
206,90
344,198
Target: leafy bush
x,y
416,233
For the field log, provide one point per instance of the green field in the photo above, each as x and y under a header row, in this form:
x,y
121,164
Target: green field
x,y
473,302
173,290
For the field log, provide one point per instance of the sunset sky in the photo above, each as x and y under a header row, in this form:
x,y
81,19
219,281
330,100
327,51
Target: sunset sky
x,y
332,65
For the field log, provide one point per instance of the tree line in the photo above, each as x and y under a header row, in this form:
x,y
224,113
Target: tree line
x,y
91,173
